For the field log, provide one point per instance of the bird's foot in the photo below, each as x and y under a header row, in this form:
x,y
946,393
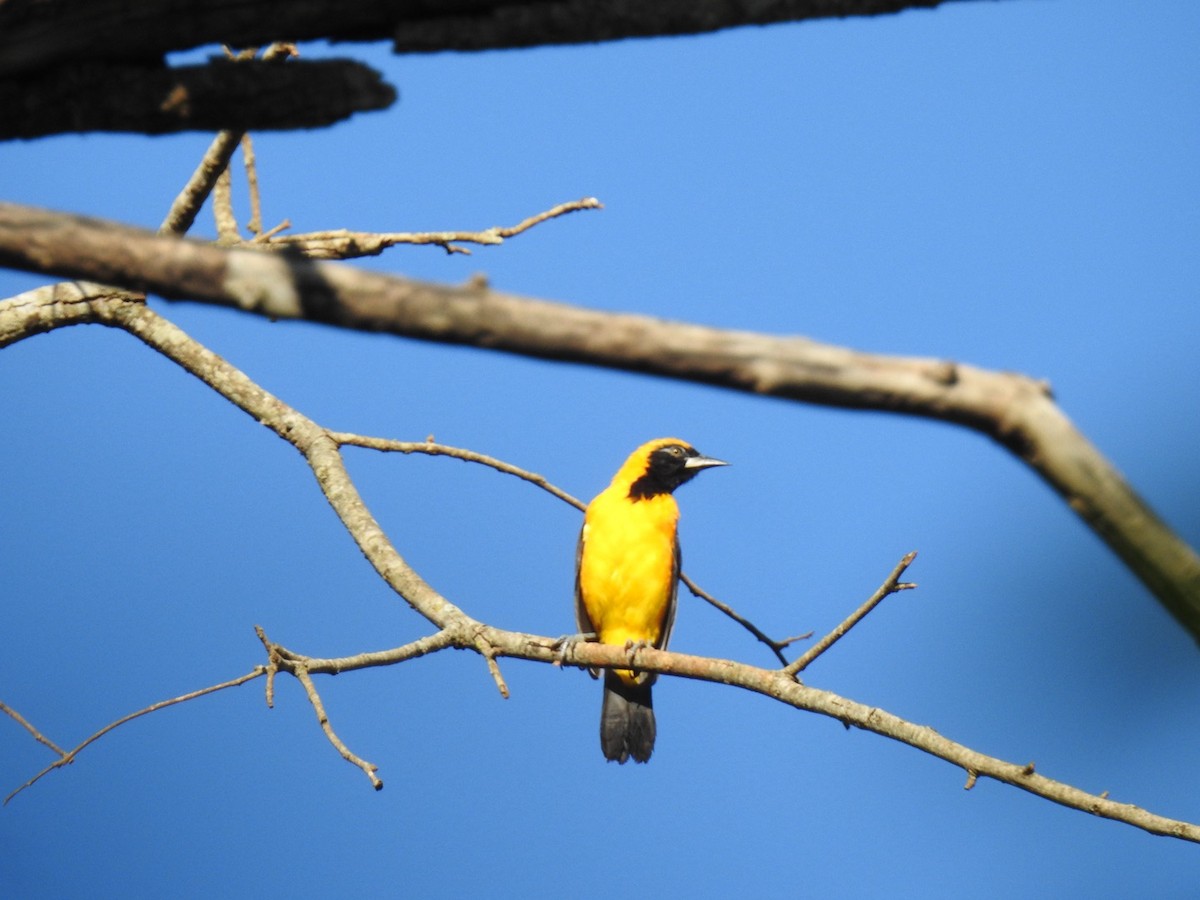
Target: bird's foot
x,y
632,647
564,646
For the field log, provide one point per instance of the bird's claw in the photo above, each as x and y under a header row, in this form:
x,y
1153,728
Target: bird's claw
x,y
564,646
632,648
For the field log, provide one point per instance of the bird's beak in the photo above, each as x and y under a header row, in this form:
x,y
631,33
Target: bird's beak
x,y
703,462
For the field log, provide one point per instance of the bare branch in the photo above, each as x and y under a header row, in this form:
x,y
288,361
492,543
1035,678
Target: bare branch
x,y
890,586
222,207
215,161
343,244
777,647
776,684
69,757
314,698
1015,410
488,652
460,630
279,658
429,448
183,211
37,735
433,449
254,226
781,686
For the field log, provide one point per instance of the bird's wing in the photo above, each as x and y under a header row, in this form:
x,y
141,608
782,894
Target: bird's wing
x,y
582,622
669,616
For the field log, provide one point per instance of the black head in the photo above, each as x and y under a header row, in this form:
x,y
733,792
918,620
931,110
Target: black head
x,y
667,466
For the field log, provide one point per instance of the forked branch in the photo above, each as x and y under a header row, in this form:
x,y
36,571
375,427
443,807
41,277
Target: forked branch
x,y
1017,411
68,756
430,448
25,316
777,684
890,586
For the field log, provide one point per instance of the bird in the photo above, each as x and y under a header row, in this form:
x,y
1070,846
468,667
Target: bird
x,y
627,567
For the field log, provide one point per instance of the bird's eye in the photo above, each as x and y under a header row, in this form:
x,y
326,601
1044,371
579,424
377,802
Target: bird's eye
x,y
675,450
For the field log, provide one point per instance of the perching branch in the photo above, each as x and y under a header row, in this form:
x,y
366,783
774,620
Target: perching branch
x,y
1016,411
777,684
430,448
28,315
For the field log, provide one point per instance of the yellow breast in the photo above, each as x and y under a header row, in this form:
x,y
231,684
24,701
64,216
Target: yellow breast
x,y
627,570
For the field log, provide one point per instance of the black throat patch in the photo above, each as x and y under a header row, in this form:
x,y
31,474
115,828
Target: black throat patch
x,y
665,471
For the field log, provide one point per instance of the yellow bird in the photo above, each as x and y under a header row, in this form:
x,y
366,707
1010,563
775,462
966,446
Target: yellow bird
x,y
626,577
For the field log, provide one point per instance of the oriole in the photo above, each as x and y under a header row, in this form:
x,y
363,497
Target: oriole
x,y
626,578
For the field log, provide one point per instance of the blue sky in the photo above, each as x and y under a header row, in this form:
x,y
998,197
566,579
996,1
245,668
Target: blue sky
x,y
1009,184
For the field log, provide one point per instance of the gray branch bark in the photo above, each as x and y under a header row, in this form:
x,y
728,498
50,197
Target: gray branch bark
x,y
1013,409
33,313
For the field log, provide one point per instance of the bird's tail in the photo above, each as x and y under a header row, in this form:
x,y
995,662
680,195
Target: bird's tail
x,y
626,720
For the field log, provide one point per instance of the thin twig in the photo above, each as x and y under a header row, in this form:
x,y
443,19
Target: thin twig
x,y
431,643
494,669
369,769
488,652
254,226
184,210
775,646
553,213
280,658
890,586
431,448
343,244
38,736
271,232
223,215
273,657
69,756
187,205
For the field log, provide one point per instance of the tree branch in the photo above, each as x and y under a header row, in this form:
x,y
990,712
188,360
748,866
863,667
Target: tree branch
x,y
23,317
183,211
343,244
68,757
890,586
37,735
430,448
776,684
216,161
243,95
776,647
1016,411
35,34
369,769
